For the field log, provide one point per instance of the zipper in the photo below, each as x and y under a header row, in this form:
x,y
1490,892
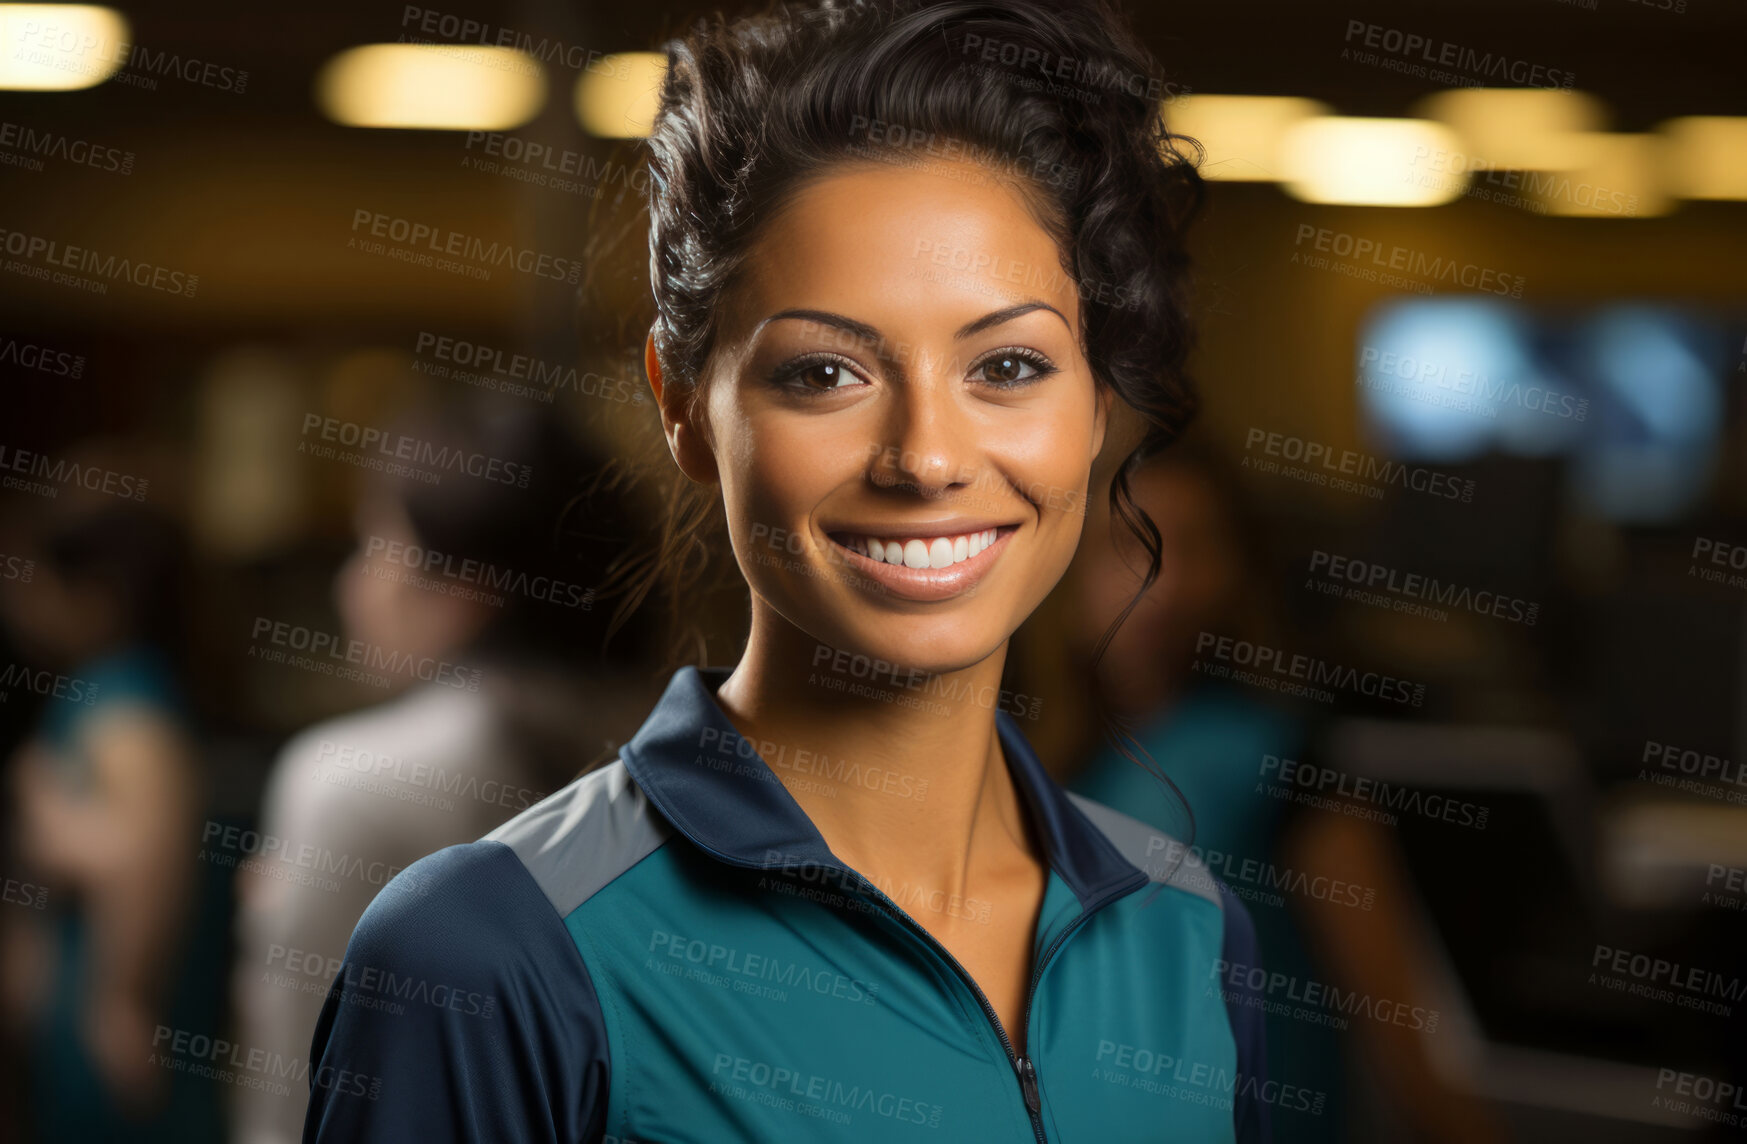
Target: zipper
x,y
1025,1072
1028,1084
1027,1069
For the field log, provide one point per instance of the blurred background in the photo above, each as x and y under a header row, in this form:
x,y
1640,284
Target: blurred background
x,y
320,333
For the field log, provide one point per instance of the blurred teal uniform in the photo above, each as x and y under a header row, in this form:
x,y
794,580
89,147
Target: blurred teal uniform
x,y
70,1103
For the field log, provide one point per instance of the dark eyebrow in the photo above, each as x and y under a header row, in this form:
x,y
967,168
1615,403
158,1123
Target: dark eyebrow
x,y
868,333
999,316
825,318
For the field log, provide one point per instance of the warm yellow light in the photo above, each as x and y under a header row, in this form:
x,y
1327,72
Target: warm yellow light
x,y
1370,162
1516,128
60,47
1616,177
616,98
441,86
1707,156
1240,133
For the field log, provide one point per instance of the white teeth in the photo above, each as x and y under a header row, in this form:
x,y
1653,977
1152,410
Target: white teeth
x,y
934,552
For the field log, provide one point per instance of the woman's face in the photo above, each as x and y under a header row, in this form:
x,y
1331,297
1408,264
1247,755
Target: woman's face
x,y
901,362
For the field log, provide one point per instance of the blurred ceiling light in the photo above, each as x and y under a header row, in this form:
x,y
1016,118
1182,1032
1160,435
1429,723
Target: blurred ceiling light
x,y
1707,156
1370,162
1516,128
448,87
1241,133
60,47
617,96
1615,176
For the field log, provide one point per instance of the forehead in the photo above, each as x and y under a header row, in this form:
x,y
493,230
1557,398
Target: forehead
x,y
914,244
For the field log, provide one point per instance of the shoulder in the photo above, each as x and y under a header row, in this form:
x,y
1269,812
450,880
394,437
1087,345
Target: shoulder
x,y
139,673
404,777
1167,861
427,722
461,988
469,909
1159,855
531,870
581,837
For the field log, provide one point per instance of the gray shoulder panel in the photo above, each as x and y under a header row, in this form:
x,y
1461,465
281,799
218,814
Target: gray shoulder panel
x,y
1156,853
581,837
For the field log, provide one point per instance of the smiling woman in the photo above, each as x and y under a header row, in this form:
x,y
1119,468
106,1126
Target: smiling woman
x,y
923,449
906,259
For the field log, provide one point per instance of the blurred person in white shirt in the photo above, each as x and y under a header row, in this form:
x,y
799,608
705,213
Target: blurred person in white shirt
x,y
481,590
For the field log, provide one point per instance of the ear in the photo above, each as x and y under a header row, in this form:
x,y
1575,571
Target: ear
x,y
652,365
1102,396
685,440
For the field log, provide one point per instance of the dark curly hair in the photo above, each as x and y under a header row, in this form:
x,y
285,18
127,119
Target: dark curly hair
x,y
1057,95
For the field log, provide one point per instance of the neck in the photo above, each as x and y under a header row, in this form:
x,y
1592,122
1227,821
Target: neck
x,y
901,771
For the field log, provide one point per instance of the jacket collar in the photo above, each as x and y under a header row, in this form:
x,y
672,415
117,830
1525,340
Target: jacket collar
x,y
718,791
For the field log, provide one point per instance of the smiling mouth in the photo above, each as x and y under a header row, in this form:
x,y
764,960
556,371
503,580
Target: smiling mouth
x,y
963,560
921,552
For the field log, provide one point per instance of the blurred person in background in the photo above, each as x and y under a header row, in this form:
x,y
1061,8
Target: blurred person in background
x,y
473,575
1208,736
108,791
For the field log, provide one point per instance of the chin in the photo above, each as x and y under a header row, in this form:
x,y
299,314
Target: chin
x,y
876,646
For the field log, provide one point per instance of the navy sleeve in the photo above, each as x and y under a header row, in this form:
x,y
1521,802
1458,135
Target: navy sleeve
x,y
1248,1027
463,1012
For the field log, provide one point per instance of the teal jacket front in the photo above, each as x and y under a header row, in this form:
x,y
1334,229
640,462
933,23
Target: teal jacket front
x,y
666,952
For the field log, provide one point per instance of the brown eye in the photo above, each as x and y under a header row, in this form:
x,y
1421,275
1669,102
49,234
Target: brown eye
x,y
824,375
820,377
1012,368
811,375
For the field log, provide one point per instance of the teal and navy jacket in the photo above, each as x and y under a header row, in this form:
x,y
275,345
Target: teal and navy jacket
x,y
666,950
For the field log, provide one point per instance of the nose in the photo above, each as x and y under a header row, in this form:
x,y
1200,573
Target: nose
x,y
929,442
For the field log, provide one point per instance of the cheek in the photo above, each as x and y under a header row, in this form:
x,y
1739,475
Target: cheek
x,y
781,467
1050,456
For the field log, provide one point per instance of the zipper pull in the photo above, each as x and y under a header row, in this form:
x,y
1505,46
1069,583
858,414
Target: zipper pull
x,y
1028,1083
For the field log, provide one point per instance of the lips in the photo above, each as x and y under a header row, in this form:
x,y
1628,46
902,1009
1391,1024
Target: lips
x,y
965,557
